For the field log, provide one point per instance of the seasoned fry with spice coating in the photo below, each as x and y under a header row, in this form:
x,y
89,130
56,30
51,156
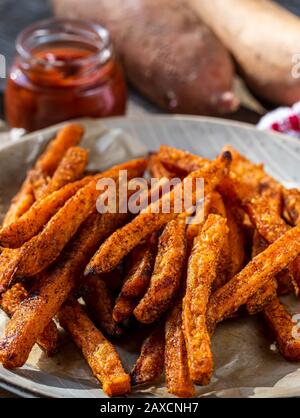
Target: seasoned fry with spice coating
x,y
99,304
48,294
70,169
150,364
141,263
9,302
180,161
20,203
124,240
38,253
167,272
100,354
69,136
157,169
47,163
27,226
202,271
225,301
178,378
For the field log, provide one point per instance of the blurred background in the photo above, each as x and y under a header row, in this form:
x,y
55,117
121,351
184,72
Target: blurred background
x,y
15,15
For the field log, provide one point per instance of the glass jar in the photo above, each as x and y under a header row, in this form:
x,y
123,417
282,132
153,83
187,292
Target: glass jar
x,y
64,69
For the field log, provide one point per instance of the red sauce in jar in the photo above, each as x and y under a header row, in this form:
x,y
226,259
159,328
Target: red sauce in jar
x,y
63,79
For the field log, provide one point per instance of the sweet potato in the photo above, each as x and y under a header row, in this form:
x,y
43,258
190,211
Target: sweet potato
x,y
50,292
262,36
202,271
150,364
168,268
178,378
100,354
181,65
124,240
225,301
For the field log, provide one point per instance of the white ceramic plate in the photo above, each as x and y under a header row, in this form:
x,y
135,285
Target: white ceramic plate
x,y
205,136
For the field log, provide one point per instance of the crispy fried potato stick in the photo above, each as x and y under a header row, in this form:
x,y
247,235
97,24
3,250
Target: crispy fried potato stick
x,y
38,253
157,169
100,354
167,272
225,301
9,302
180,161
178,378
292,205
150,364
28,225
124,240
137,279
202,271
48,294
70,169
283,329
99,304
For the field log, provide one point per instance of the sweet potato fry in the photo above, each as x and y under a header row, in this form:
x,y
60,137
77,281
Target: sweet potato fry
x,y
284,329
137,279
150,364
20,203
9,259
70,169
100,354
99,304
266,293
69,136
124,240
271,226
48,294
167,272
38,253
47,163
262,298
9,302
28,225
157,169
236,242
202,271
178,161
225,301
178,378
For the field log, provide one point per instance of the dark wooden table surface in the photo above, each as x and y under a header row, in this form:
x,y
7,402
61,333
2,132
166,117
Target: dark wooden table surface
x,y
17,14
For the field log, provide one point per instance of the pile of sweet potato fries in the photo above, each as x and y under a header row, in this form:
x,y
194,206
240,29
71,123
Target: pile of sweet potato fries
x,y
64,265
